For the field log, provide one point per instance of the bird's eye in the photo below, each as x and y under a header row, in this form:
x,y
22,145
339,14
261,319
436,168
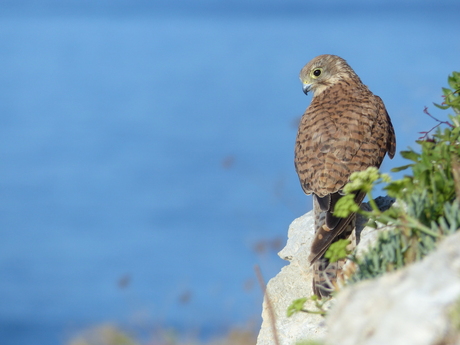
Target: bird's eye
x,y
316,72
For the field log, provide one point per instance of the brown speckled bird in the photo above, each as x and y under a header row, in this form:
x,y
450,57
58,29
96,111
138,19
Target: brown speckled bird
x,y
345,129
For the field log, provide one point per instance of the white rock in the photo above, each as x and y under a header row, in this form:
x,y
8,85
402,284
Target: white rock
x,y
294,281
408,307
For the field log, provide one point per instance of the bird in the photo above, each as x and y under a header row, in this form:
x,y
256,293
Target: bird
x,y
345,129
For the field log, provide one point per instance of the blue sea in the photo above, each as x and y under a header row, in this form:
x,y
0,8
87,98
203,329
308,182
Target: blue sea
x,y
146,149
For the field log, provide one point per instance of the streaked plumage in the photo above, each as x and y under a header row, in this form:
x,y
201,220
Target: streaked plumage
x,y
345,129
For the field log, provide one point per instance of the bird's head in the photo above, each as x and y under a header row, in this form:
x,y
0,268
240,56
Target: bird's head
x,y
324,71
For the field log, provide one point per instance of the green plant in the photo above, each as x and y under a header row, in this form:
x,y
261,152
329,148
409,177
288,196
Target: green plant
x,y
298,306
338,250
451,96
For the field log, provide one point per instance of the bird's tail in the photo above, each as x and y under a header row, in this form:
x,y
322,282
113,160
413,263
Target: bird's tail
x,y
326,274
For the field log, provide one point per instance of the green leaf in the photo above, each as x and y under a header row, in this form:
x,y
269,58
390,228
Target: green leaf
x,y
338,250
446,91
296,306
345,206
444,107
404,167
411,155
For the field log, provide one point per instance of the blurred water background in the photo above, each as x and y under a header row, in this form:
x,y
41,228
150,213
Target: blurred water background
x,y
146,148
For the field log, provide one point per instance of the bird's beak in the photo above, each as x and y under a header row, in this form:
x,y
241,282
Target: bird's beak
x,y
306,88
